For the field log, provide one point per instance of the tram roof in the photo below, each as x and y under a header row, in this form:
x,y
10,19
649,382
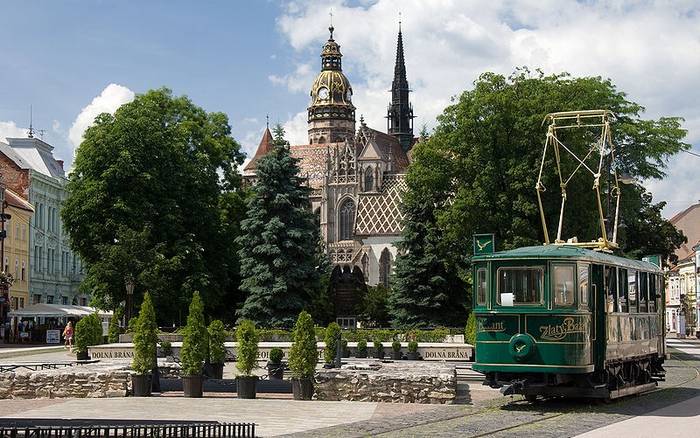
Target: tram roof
x,y
568,252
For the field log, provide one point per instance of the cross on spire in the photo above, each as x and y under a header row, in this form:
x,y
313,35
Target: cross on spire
x,y
331,28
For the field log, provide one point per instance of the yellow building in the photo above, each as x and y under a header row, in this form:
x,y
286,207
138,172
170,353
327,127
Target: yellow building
x,y
17,247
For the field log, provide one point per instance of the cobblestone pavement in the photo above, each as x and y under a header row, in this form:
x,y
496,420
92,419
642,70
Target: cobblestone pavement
x,y
513,417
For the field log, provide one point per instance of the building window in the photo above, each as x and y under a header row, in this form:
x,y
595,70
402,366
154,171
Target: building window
x,y
64,300
16,268
21,303
385,268
37,299
24,268
365,266
369,179
83,301
7,265
49,299
347,218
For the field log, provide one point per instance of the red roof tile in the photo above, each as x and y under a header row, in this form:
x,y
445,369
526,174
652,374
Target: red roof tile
x,y
264,147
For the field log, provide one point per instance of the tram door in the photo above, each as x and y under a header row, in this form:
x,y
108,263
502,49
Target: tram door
x,y
598,303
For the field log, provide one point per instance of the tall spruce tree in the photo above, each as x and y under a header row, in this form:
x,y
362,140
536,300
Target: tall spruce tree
x,y
278,242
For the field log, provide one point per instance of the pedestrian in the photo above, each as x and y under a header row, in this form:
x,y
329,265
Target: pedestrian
x,y
68,335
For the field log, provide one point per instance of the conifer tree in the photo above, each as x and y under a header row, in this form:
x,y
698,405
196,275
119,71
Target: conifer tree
x,y
278,242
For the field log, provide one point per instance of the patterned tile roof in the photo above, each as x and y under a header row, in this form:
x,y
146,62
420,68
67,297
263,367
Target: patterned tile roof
x,y
379,214
387,145
313,161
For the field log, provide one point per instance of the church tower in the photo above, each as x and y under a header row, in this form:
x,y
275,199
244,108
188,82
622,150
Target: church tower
x,y
400,112
331,113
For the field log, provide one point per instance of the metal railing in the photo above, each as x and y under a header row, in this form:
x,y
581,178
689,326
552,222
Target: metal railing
x,y
163,430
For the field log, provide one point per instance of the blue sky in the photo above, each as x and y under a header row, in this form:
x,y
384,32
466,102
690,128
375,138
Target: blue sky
x,y
72,59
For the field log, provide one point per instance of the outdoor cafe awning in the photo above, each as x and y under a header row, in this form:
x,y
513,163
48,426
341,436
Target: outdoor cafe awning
x,y
56,311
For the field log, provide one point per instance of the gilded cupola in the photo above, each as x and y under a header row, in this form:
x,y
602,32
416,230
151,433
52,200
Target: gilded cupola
x,y
331,112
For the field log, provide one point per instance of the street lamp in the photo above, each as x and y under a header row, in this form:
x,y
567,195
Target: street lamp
x,y
129,283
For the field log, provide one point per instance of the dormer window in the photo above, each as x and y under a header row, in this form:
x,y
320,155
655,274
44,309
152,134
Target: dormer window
x,y
369,179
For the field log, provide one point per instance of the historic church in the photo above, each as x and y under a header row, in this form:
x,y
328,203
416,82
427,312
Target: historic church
x,y
357,175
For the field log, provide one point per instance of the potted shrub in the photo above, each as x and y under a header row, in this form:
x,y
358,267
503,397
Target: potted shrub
x,y
145,342
166,348
217,349
275,367
194,348
378,349
361,348
114,329
412,350
88,331
331,339
396,350
303,357
246,358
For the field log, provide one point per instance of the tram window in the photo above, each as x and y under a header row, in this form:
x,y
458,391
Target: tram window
x,y
632,290
481,287
653,283
643,292
611,302
519,286
583,285
563,283
622,303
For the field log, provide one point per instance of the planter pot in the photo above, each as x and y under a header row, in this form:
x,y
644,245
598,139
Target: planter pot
x,y
303,389
361,355
192,386
412,355
141,385
396,355
275,370
214,370
379,354
82,355
246,386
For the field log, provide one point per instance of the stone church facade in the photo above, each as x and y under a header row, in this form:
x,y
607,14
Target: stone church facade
x,y
357,175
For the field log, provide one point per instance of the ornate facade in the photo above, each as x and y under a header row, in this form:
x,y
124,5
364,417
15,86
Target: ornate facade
x,y
357,176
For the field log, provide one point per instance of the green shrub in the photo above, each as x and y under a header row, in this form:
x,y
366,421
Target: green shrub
x,y
276,355
195,341
114,330
217,337
362,348
331,339
145,338
470,330
413,347
88,331
247,356
167,348
378,347
304,353
131,325
396,346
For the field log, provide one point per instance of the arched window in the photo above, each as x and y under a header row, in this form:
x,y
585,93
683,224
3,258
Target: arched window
x,y
385,267
365,266
369,179
347,218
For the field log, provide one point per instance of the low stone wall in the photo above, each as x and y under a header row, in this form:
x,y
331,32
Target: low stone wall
x,y
73,382
388,382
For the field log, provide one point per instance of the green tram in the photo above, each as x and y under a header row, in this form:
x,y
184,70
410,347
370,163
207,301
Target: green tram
x,y
562,320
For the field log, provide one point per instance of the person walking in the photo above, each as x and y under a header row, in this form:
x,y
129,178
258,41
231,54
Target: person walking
x,y
68,335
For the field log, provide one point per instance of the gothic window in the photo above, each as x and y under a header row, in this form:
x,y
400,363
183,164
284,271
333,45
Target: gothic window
x,y
365,266
347,217
369,179
385,267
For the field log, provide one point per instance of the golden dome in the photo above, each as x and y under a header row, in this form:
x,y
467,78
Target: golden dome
x,y
331,87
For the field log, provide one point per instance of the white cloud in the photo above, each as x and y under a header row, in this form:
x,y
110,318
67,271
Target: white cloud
x,y
11,130
646,48
111,98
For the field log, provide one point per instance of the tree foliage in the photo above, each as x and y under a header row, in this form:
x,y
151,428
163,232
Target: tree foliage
x,y
477,173
331,339
155,193
114,329
145,338
195,341
88,331
373,309
278,241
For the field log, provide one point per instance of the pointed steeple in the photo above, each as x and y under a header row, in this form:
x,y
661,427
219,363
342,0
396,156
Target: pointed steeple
x,y
400,112
265,146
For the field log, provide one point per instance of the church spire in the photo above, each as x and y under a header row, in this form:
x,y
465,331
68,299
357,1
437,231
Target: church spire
x,y
400,112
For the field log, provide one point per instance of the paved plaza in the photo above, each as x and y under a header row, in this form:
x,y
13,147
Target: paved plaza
x,y
673,408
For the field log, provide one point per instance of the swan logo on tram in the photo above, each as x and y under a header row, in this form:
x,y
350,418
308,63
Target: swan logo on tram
x,y
560,320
